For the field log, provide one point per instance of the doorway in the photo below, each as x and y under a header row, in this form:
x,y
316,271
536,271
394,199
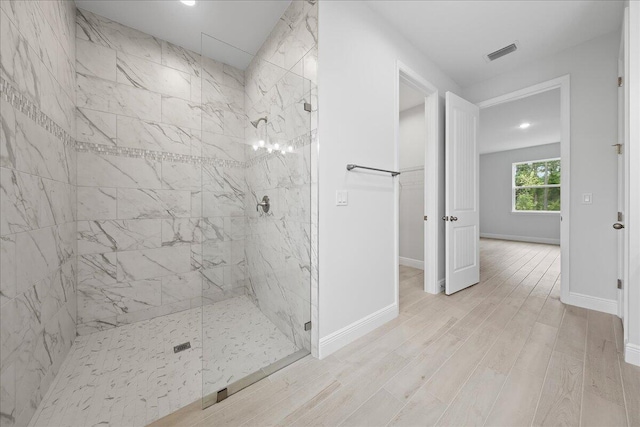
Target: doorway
x,y
524,146
418,159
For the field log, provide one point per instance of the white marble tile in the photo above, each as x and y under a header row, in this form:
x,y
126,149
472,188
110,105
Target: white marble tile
x,y
233,77
18,61
100,30
24,203
181,231
7,135
8,395
181,59
118,235
37,254
96,127
181,112
310,67
143,74
117,171
96,203
139,203
97,270
222,146
8,280
96,303
181,176
234,124
104,95
150,263
212,71
135,133
181,286
56,103
66,75
212,119
40,153
196,89
215,204
95,60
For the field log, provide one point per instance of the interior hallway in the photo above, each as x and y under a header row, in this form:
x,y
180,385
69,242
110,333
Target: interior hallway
x,y
503,352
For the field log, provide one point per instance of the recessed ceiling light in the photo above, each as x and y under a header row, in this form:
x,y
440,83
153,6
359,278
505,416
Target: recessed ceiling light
x,y
188,2
524,125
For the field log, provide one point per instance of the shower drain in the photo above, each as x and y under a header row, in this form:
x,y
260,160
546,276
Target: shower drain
x,y
182,347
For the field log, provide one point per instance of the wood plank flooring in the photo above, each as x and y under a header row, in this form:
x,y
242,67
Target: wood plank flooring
x,y
505,352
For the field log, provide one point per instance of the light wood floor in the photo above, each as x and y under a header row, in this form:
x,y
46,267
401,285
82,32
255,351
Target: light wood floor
x,y
504,352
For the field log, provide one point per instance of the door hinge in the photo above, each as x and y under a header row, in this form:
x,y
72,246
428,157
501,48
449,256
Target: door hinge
x,y
425,217
307,326
307,107
620,216
618,148
620,81
619,283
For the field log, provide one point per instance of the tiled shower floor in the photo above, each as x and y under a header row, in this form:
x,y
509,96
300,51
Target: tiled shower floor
x,y
130,376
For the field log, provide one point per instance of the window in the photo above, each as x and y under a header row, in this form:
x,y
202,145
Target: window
x,y
536,186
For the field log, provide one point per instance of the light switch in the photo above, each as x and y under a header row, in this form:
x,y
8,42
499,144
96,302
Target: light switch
x,y
342,198
587,198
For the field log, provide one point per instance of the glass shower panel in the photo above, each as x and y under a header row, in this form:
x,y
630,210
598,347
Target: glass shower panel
x,y
256,215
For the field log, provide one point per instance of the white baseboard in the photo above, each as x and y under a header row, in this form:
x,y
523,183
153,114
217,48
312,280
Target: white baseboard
x,y
593,303
521,238
632,354
410,262
352,332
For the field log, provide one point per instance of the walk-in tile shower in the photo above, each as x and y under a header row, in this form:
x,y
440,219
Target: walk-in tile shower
x,y
158,229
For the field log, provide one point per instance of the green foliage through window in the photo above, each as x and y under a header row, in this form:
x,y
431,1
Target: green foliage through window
x,y
536,186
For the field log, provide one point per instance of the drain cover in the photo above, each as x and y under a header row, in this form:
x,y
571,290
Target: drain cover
x,y
182,347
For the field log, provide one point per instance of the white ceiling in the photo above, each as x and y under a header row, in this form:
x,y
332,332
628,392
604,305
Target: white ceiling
x,y
409,97
457,34
243,24
499,125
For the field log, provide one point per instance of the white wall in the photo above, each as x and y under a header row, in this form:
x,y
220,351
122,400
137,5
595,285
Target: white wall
x,y
412,147
411,217
593,70
412,137
632,350
496,217
357,73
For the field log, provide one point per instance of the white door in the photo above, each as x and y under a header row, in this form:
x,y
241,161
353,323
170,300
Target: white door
x,y
461,194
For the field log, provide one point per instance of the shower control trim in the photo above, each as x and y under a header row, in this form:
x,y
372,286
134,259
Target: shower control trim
x,y
264,204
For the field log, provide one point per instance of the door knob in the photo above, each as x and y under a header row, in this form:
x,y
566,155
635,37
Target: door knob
x,y
618,226
445,218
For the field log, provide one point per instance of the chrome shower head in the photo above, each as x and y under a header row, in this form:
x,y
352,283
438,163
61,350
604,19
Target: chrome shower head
x,y
255,123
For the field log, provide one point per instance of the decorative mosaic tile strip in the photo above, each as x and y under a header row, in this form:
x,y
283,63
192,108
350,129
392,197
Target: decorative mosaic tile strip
x,y
156,155
298,142
25,105
29,108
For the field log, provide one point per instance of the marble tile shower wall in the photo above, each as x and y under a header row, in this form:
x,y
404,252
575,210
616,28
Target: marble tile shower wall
x,y
278,246
37,200
160,176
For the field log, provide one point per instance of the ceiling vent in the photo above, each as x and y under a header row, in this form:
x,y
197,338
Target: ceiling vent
x,y
502,52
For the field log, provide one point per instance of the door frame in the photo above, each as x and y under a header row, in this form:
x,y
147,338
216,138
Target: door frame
x,y
431,185
564,84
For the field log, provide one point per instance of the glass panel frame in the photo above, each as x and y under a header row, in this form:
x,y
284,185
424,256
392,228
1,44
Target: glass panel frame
x,y
244,246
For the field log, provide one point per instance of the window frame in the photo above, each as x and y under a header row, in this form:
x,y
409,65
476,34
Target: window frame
x,y
514,166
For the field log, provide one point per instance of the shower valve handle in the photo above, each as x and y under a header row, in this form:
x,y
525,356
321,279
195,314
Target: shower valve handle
x,y
264,203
